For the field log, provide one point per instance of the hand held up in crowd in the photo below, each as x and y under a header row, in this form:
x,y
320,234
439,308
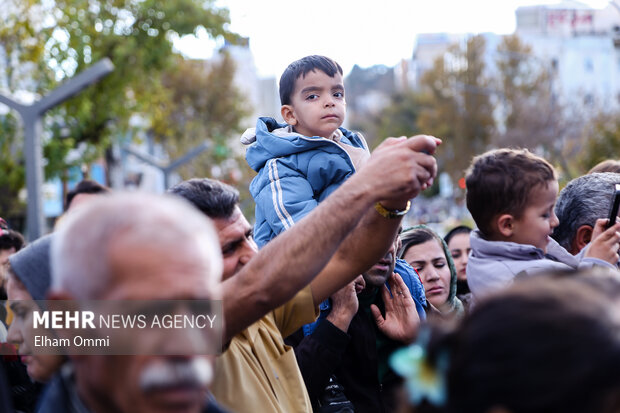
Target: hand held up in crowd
x,y
605,242
344,305
399,169
401,320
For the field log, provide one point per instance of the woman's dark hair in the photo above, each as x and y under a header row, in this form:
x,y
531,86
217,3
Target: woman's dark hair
x,y
415,236
10,238
461,229
548,344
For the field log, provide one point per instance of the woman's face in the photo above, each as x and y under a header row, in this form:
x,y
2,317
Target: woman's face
x,y
459,248
40,367
429,260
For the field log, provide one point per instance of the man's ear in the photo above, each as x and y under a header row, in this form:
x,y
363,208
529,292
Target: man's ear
x,y
288,114
583,236
505,224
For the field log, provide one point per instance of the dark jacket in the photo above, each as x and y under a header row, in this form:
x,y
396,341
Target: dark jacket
x,y
357,358
353,357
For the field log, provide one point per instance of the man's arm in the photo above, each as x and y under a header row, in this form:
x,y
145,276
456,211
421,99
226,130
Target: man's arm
x,y
396,171
369,240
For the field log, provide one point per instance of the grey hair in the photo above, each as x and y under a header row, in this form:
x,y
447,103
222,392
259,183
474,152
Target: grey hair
x,y
582,202
80,250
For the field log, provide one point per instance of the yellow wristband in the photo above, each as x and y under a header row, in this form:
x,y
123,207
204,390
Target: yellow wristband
x,y
391,213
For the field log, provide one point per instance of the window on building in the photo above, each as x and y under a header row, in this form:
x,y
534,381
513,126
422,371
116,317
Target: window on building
x,y
555,64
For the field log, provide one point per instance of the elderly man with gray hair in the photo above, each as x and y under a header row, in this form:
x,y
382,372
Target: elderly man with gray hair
x,y
582,201
134,247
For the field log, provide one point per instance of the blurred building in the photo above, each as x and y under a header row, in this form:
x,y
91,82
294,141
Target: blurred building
x,y
578,46
261,93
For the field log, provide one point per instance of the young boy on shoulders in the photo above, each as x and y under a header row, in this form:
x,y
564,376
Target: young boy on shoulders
x,y
511,195
303,161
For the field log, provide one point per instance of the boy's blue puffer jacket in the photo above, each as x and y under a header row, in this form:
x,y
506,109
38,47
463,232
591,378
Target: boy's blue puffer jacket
x,y
295,173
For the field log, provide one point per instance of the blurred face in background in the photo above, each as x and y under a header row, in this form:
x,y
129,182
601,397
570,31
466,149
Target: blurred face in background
x,y
40,367
4,265
459,248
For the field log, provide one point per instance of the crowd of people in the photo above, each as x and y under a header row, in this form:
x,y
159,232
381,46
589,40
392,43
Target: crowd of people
x,y
329,304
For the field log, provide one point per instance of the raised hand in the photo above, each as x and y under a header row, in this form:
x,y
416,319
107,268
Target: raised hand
x,y
605,242
401,320
345,304
400,168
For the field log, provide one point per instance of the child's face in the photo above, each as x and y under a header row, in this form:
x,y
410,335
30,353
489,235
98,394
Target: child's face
x,y
317,105
538,220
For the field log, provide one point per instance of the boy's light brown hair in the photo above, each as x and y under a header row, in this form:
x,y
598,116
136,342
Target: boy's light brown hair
x,y
501,181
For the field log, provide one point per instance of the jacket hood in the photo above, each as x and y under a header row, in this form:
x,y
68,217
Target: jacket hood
x,y
271,139
512,251
493,265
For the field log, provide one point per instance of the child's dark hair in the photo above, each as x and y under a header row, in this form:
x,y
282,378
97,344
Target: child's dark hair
x,y
501,181
544,345
300,68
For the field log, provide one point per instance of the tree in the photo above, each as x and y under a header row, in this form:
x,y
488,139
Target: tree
x,y
602,141
399,117
46,43
456,105
532,116
205,105
367,92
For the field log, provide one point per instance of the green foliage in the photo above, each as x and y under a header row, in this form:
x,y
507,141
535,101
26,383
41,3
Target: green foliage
x,y
602,142
456,105
400,117
11,167
204,105
49,42
533,117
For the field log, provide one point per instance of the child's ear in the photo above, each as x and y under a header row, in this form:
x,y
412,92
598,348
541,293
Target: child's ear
x,y
505,224
288,114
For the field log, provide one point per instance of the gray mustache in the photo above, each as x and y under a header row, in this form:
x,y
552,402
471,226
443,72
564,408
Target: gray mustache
x,y
164,373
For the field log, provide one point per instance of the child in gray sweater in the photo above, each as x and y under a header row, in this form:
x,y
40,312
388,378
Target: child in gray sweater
x,y
511,195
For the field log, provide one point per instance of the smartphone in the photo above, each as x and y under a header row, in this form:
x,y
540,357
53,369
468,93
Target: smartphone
x,y
613,210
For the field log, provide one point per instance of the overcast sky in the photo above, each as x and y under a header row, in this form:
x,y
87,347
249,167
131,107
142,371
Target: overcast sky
x,y
363,32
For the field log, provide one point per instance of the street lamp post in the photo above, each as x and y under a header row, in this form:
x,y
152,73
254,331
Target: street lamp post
x,y
167,169
32,119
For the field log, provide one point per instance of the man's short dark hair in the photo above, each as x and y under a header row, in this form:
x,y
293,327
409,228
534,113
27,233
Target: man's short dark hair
x,y
215,199
86,186
301,67
501,181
